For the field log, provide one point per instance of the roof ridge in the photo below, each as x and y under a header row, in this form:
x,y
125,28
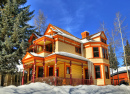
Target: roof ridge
x,y
65,31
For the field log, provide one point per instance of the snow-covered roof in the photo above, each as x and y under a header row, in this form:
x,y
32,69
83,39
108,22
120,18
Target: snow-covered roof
x,y
34,54
70,55
95,35
120,70
37,35
49,36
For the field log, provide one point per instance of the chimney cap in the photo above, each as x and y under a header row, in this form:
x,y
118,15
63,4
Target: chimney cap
x,y
86,31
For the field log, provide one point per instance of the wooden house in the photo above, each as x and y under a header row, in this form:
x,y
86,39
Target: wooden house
x,y
60,56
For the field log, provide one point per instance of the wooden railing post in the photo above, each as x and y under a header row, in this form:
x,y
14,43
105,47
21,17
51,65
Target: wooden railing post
x,y
34,69
82,75
43,68
44,45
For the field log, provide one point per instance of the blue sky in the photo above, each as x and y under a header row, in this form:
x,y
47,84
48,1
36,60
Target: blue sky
x,y
77,16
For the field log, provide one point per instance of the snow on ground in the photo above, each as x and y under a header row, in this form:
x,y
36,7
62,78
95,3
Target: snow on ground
x,y
42,88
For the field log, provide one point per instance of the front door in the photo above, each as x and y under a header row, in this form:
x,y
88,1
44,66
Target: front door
x,y
40,72
50,71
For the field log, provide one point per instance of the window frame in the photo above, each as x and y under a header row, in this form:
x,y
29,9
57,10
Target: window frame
x,y
78,50
67,66
98,52
107,73
103,40
105,54
99,72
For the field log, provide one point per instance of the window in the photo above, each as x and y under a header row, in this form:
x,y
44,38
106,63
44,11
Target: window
x,y
95,51
78,50
49,47
102,40
104,51
97,71
106,72
68,70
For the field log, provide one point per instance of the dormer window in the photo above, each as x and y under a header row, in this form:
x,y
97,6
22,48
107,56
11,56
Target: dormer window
x,y
102,40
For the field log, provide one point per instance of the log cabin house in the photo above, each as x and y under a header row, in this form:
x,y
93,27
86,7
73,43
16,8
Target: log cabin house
x,y
62,58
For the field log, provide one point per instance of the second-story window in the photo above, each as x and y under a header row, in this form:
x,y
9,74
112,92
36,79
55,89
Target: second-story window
x,y
104,51
78,50
102,40
95,52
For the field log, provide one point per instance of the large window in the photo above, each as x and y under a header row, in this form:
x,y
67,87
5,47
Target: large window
x,y
106,72
95,51
104,51
102,40
97,71
78,50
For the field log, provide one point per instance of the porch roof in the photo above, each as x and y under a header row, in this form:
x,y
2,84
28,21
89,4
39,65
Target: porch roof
x,y
35,54
70,55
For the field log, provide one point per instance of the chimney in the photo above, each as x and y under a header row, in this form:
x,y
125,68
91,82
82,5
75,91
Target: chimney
x,y
85,34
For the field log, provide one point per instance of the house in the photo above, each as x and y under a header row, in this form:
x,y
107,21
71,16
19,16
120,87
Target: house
x,y
63,58
122,74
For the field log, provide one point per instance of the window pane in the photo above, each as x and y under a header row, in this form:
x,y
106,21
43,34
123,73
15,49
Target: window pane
x,y
106,72
96,54
98,75
97,68
68,70
95,51
76,49
97,71
50,48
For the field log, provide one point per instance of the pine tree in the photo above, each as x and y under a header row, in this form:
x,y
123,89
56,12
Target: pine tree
x,y
114,64
127,52
14,33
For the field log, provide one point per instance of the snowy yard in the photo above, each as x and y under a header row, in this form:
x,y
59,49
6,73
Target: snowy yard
x,y
42,88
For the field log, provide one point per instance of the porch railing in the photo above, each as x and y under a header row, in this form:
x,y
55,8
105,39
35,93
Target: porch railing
x,y
63,81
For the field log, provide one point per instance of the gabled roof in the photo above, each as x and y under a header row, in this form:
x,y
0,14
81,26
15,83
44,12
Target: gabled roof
x,y
64,31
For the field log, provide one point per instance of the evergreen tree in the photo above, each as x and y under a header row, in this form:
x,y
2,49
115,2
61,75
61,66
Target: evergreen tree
x,y
127,52
14,33
114,64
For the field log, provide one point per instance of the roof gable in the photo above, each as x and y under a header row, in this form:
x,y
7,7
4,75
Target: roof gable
x,y
103,35
28,55
54,29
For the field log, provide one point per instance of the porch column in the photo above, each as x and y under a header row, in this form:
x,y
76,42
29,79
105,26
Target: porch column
x,y
44,45
82,75
23,75
70,74
43,68
53,46
55,71
34,69
33,47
